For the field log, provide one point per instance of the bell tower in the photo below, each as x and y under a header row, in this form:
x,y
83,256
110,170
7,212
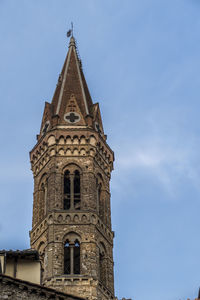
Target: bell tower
x,y
72,164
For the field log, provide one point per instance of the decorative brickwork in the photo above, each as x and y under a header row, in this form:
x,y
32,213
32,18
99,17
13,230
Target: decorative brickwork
x,y
72,165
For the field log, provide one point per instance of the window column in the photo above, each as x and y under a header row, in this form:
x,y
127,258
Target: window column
x,y
71,259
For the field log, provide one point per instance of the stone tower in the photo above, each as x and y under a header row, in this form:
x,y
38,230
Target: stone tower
x,y
72,164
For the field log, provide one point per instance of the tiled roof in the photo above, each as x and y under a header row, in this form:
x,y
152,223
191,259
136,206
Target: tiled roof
x,y
72,81
36,288
31,253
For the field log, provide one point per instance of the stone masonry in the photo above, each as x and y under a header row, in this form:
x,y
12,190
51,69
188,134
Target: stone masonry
x,y
72,141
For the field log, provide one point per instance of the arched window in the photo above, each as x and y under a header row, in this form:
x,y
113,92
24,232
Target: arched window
x,y
42,198
100,197
72,257
102,264
67,258
77,190
67,190
41,251
72,190
76,257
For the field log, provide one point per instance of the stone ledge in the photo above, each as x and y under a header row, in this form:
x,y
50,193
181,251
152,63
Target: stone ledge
x,y
64,217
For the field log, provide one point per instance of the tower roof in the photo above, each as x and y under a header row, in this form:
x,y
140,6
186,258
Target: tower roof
x,y
71,104
72,82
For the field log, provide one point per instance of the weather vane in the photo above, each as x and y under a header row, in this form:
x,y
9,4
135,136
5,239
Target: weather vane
x,y
71,31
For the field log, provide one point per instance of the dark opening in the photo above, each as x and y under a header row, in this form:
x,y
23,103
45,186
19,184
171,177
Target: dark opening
x,y
76,258
42,192
100,201
67,258
66,190
77,195
42,202
97,187
99,192
102,268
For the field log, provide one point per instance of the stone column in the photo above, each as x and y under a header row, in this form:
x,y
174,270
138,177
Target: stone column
x,y
71,259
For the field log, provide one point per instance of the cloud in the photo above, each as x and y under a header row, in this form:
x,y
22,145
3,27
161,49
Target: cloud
x,y
167,164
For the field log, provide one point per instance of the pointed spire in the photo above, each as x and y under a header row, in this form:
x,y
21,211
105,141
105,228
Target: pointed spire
x,y
72,82
71,103
72,42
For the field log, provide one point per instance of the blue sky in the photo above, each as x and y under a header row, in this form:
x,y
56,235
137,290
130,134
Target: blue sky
x,y
141,60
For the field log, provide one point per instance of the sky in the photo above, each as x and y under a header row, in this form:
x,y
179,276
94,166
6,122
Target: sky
x,y
141,59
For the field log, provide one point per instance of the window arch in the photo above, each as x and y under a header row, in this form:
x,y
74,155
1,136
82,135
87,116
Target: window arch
x,y
102,264
98,188
67,269
72,255
100,200
72,189
42,194
67,190
77,190
42,198
76,257
41,251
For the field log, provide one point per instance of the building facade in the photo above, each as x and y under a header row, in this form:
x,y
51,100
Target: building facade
x,y
72,164
23,265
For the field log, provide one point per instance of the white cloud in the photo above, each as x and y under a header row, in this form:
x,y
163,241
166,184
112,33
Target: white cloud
x,y
166,163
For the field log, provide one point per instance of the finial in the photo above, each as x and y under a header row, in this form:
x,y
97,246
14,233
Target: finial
x,y
72,25
70,32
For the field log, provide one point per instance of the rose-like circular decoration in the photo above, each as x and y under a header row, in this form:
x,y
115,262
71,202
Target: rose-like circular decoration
x,y
72,117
